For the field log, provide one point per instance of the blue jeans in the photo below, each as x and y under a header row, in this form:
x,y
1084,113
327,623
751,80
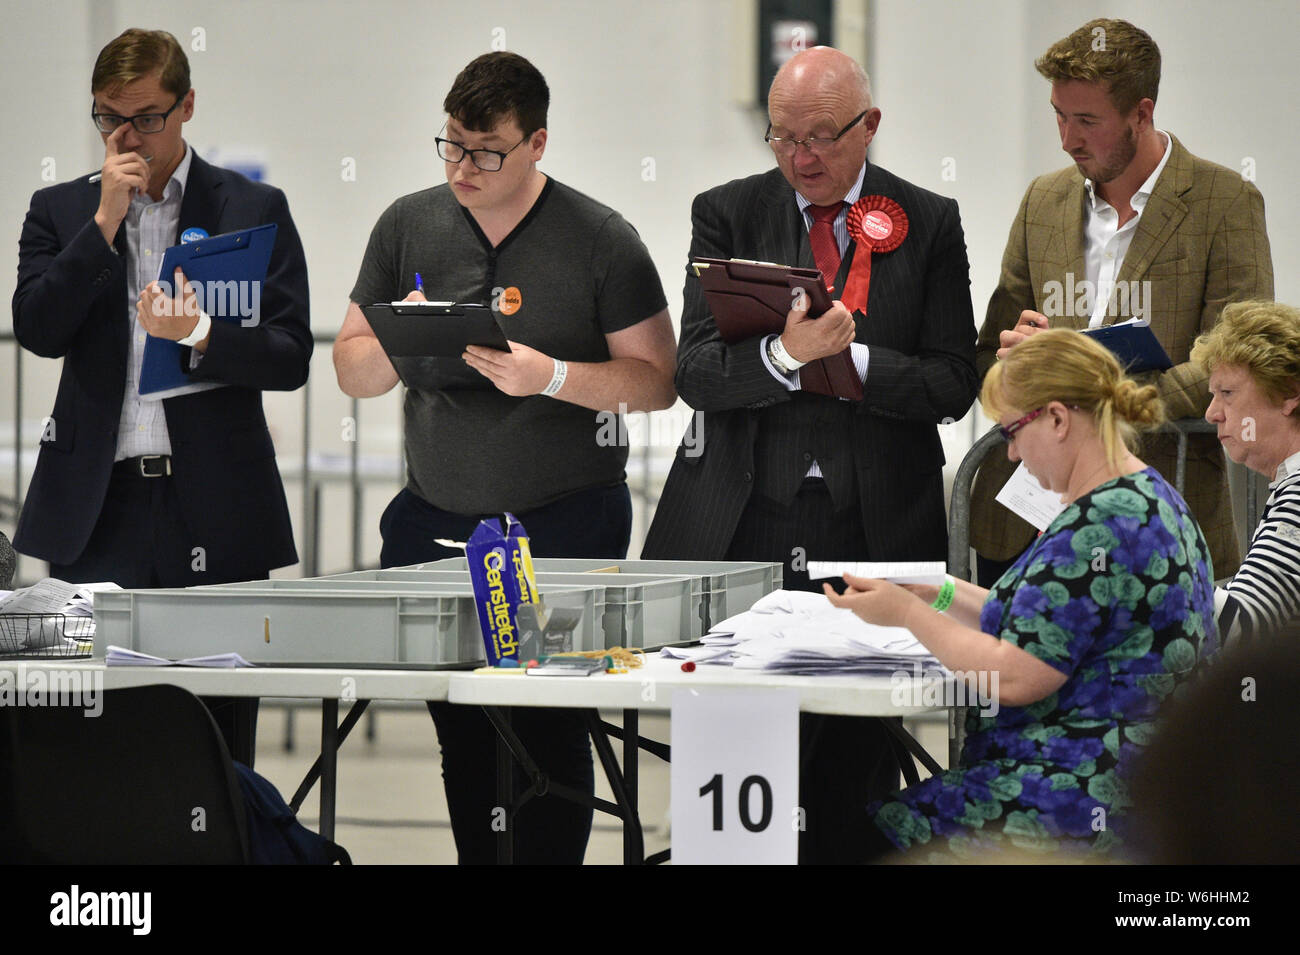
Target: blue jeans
x,y
595,523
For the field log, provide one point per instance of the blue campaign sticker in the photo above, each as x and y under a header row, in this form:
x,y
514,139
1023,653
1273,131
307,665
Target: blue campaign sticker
x,y
193,234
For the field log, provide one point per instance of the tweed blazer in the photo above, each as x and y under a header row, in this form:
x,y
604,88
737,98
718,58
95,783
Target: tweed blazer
x,y
1200,244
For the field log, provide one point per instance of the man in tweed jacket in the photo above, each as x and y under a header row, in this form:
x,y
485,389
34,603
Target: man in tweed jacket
x,y
1188,237
775,473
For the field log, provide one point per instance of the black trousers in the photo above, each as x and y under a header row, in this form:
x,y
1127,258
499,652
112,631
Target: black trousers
x,y
141,541
845,761
595,523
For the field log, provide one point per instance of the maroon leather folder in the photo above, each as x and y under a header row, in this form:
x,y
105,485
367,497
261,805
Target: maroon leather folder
x,y
751,299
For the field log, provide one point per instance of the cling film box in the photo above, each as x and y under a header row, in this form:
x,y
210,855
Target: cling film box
x,y
501,569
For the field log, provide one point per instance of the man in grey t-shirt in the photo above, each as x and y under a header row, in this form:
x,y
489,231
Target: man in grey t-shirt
x,y
577,296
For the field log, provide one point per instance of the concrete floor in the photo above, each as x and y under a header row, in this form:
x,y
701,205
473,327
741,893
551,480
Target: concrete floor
x,y
391,807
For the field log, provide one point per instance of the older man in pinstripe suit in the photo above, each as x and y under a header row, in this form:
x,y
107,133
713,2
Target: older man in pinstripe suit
x,y
779,474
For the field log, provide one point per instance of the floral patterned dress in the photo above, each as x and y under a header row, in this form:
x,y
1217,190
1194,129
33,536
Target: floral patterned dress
x,y
1117,594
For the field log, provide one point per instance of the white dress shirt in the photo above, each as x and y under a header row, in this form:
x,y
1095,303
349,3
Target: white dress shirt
x,y
150,228
1106,242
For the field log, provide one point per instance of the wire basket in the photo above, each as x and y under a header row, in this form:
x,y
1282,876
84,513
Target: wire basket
x,y
46,636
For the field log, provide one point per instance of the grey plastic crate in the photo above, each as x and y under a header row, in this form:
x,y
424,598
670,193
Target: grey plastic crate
x,y
312,623
647,611
592,633
728,587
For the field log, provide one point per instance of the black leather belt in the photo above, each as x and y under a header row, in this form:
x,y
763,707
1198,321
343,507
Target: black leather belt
x,y
146,465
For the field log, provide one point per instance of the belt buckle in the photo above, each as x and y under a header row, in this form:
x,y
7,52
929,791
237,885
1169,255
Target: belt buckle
x,y
145,460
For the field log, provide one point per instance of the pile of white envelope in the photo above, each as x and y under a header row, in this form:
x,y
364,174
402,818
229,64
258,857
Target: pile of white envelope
x,y
801,633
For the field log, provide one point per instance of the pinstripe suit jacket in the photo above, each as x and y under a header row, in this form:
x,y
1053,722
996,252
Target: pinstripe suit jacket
x,y
1201,243
921,334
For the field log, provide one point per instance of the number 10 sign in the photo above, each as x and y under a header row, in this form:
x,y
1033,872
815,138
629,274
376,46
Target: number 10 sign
x,y
735,779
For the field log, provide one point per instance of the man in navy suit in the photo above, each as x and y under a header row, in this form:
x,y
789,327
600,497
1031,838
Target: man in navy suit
x,y
183,490
776,473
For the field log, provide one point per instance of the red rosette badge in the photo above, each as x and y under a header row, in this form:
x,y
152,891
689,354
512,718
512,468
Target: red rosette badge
x,y
877,224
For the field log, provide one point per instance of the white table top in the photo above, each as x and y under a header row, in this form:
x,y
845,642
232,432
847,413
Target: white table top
x,y
322,683
651,688
647,688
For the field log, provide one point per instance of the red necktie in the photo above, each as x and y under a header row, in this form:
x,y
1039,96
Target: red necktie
x,y
826,251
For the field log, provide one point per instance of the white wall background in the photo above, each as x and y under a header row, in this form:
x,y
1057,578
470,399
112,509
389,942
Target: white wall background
x,y
309,85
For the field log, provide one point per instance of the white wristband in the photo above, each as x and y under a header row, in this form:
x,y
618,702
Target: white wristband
x,y
783,358
200,330
557,379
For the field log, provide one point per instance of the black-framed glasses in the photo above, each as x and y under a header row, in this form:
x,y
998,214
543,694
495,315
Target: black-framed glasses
x,y
1010,430
144,122
489,160
816,144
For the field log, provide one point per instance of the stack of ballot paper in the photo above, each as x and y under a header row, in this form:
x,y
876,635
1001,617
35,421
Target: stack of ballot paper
x,y
122,657
801,633
47,615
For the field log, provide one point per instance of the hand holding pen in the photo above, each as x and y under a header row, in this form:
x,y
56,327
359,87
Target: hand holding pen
x,y
1031,323
417,295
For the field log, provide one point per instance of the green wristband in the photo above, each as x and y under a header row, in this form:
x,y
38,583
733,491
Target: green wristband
x,y
946,594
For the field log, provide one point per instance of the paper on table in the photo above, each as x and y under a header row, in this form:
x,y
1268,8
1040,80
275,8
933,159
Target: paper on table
x,y
705,654
1026,498
83,602
900,572
31,618
45,596
801,633
122,657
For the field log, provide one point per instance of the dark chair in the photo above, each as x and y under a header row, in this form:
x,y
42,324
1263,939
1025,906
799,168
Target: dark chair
x,y
147,781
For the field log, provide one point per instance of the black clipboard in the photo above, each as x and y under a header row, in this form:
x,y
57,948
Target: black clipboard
x,y
433,329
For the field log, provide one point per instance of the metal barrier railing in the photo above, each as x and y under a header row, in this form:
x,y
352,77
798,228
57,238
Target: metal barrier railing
x,y
959,509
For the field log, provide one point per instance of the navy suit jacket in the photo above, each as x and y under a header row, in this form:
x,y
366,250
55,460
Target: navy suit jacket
x,y
70,303
921,333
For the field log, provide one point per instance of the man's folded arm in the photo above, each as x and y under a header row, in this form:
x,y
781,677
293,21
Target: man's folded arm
x,y
711,374
361,365
939,381
638,375
57,286
275,353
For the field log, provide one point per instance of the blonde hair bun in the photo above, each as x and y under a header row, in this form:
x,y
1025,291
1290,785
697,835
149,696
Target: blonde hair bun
x,y
1137,404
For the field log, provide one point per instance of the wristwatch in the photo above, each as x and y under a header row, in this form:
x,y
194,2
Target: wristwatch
x,y
781,359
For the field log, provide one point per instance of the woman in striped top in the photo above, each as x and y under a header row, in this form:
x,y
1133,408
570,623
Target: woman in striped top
x,y
1253,359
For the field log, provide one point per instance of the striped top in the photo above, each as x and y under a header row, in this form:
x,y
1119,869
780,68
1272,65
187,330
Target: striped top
x,y
1265,593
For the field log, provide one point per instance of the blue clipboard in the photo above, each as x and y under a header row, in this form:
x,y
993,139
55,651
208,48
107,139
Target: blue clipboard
x,y
228,271
1134,344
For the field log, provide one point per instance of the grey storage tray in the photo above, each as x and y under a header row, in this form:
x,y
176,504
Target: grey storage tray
x,y
647,611
314,622
728,587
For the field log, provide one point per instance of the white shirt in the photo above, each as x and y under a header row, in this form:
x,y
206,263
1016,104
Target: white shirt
x,y
1106,242
150,228
1288,467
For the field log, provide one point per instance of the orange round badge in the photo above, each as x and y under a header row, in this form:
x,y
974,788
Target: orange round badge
x,y
511,301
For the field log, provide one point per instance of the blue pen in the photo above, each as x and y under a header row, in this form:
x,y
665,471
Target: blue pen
x,y
419,283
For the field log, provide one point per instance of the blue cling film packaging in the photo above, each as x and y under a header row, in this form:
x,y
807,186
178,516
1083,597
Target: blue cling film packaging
x,y
501,569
